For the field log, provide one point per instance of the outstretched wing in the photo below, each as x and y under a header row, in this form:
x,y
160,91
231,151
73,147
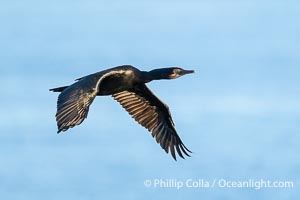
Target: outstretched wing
x,y
154,115
73,102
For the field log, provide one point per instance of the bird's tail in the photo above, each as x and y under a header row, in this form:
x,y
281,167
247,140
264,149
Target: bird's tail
x,y
59,89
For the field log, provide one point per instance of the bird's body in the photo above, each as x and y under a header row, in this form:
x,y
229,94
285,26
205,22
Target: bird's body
x,y
127,86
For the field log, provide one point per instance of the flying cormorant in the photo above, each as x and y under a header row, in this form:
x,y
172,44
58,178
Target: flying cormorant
x,y
127,85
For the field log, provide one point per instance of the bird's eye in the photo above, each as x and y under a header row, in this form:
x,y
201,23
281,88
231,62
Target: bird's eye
x,y
176,71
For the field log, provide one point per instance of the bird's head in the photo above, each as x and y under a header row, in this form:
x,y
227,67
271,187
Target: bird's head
x,y
175,72
165,73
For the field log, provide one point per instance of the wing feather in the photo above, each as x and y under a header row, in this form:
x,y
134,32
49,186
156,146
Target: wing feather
x,y
154,115
73,102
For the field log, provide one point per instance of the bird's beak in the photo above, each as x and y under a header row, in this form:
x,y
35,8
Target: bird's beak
x,y
183,72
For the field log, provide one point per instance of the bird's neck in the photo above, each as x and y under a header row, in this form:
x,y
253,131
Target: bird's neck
x,y
153,75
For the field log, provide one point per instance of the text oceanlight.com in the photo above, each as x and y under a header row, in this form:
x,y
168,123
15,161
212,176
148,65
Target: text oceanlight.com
x,y
217,183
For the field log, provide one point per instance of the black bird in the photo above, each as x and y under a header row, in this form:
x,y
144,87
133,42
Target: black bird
x,y
127,85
